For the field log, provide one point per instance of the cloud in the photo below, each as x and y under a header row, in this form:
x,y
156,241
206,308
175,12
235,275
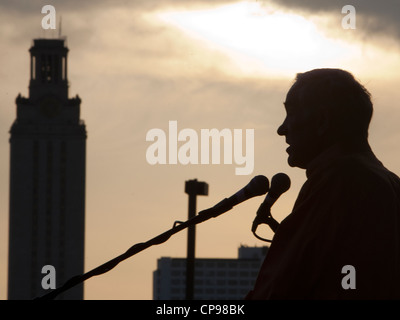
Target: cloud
x,y
373,17
34,6
87,22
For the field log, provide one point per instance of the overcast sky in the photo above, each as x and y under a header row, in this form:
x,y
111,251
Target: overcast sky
x,y
206,64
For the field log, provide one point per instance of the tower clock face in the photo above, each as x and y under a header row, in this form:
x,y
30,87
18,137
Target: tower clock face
x,y
50,107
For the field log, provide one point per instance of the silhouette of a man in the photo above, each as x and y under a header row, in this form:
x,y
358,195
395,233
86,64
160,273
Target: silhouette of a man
x,y
347,212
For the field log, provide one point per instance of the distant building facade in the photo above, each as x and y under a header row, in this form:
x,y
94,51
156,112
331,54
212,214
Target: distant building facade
x,y
215,279
47,178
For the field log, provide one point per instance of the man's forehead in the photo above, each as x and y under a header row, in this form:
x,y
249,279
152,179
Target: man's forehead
x,y
292,97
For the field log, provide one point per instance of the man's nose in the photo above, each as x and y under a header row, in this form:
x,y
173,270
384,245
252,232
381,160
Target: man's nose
x,y
282,129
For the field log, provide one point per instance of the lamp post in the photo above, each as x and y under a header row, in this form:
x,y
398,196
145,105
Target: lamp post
x,y
193,188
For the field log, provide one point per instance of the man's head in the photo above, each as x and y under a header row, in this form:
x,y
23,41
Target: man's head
x,y
324,107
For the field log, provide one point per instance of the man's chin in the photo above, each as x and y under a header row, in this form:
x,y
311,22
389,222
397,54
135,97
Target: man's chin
x,y
293,162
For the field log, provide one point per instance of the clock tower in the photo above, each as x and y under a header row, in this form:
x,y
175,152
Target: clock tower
x,y
47,179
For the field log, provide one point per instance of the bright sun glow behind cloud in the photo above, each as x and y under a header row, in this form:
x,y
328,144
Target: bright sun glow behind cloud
x,y
260,41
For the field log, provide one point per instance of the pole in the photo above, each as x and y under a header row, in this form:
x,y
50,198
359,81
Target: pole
x,y
190,265
192,188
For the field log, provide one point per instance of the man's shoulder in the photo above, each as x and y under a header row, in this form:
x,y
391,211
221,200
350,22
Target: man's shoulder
x,y
363,170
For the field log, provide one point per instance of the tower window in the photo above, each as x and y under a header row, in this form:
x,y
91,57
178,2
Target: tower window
x,y
46,68
33,68
43,68
63,68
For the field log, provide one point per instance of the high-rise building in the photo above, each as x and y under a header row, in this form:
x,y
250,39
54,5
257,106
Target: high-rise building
x,y
215,279
47,178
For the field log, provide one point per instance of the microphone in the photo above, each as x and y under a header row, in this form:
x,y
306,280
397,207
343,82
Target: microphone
x,y
280,183
258,186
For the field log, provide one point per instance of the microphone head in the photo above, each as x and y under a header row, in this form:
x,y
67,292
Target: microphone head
x,y
258,186
280,183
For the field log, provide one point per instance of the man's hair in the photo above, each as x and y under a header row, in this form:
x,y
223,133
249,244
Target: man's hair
x,y
347,101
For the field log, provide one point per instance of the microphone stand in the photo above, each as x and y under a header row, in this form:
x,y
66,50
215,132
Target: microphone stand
x,y
268,220
204,215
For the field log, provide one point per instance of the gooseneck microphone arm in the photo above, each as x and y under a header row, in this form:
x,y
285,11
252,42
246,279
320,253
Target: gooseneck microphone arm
x,y
257,186
280,183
